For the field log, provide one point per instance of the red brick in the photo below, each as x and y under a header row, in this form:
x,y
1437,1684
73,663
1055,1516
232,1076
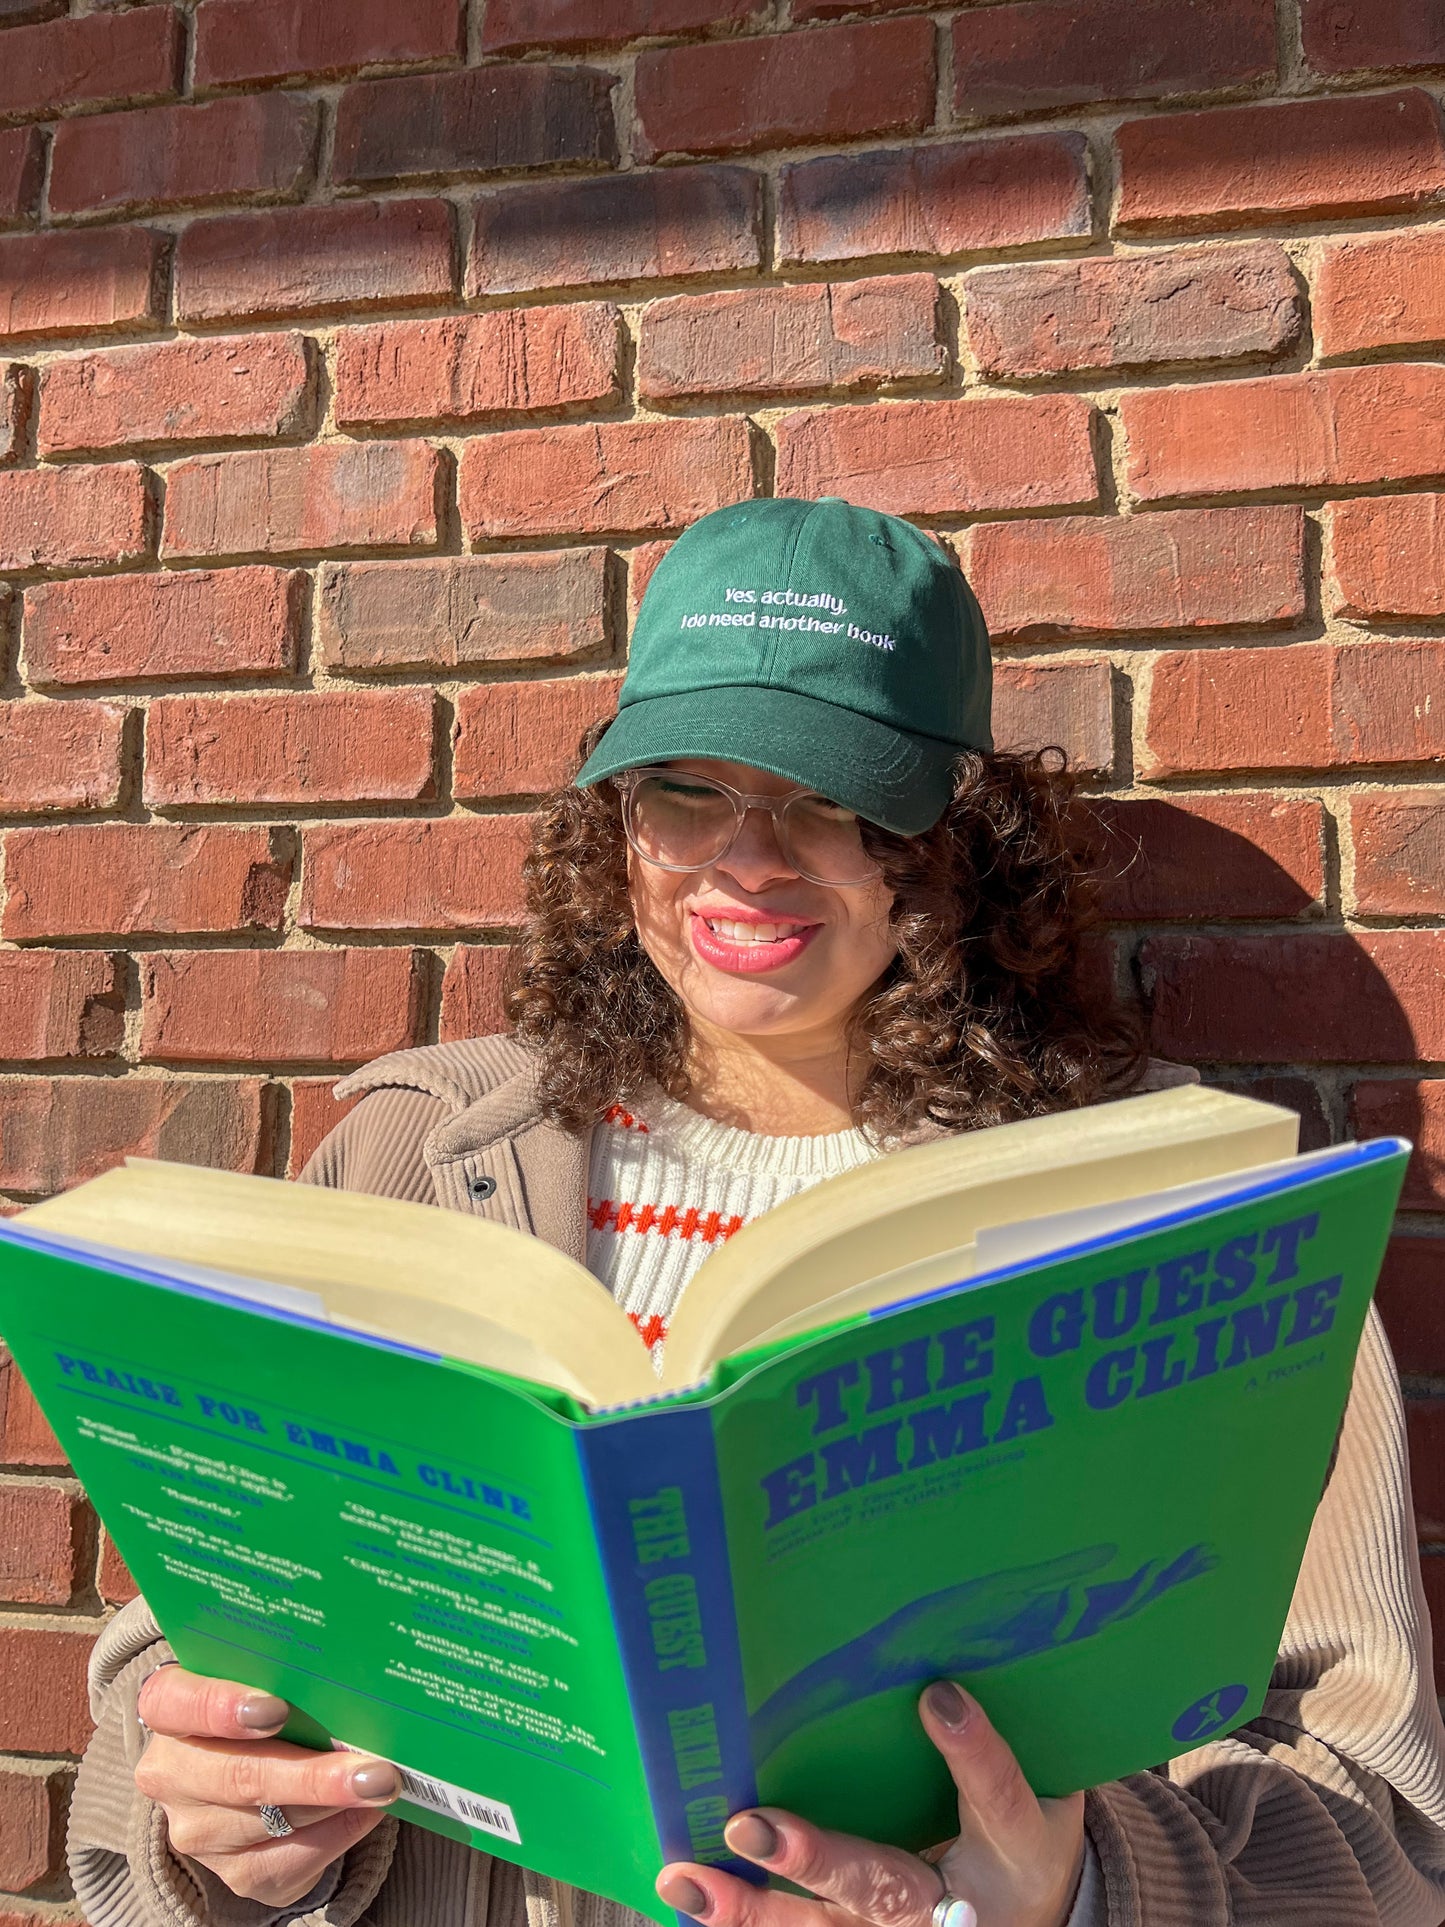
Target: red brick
x,y
832,84
72,518
184,156
1132,311
472,991
1298,998
1432,1571
1052,53
1211,856
955,198
615,475
487,120
521,738
1411,1298
450,873
62,1130
266,1007
511,25
1388,555
88,880
74,284
22,167
1070,704
334,746
623,227
1336,428
68,63
1399,844
314,1112
1236,166
243,387
187,622
41,1538
59,756
779,341
943,457
455,612
1185,569
32,1817
1343,37
1425,1431
60,1003
1382,291
337,495
315,260
1411,1108
25,1438
469,368
12,12
248,40
1296,1094
114,1583
641,563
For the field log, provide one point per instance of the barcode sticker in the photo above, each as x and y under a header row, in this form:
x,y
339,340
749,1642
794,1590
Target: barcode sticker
x,y
440,1796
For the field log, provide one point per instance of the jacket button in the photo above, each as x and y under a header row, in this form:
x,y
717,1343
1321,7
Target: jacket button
x,y
481,1188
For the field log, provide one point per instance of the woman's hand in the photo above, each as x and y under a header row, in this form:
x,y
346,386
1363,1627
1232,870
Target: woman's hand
x,y
212,1763
1016,1861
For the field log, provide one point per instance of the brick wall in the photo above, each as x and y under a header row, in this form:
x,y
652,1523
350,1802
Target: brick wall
x,y
358,360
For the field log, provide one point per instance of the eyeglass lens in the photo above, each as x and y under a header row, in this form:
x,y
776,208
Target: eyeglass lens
x,y
685,822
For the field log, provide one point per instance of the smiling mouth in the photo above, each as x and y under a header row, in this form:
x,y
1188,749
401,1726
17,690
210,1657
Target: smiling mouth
x,y
729,931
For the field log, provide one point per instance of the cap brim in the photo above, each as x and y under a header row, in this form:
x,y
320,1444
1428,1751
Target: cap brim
x,y
889,776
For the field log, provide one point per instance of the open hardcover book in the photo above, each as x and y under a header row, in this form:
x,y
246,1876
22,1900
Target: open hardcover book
x,y
1046,1408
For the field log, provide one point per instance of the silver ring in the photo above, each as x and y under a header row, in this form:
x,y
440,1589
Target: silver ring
x,y
278,1826
953,1912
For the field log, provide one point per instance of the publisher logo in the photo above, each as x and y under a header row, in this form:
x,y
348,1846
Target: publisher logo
x,y
1209,1714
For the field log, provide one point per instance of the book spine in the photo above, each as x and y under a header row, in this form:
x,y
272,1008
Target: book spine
x,y
656,1506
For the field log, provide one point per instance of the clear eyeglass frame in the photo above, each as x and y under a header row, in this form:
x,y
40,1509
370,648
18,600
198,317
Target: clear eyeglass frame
x,y
775,807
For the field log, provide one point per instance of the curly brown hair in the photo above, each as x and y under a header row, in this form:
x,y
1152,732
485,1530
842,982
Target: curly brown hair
x,y
986,1014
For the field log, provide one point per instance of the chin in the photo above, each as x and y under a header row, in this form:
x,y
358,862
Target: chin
x,y
744,1005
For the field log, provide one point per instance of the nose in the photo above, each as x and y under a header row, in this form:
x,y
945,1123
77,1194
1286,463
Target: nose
x,y
756,858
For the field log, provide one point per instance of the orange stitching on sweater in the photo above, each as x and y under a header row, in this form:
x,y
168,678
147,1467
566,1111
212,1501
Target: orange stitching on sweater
x,y
615,1114
651,1330
604,1214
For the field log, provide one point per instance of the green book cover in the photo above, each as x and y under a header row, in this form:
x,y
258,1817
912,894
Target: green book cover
x,y
1081,1483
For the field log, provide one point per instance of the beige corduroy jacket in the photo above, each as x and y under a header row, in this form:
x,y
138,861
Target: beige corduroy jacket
x,y
1328,1810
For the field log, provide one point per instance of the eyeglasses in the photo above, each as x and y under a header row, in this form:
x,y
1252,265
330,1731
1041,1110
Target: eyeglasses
x,y
679,821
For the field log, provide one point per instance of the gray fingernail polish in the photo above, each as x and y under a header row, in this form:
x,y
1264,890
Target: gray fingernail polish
x,y
753,1837
685,1895
379,1781
948,1705
261,1712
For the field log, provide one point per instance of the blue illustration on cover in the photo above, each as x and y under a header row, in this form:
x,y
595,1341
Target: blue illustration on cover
x,y
1210,1713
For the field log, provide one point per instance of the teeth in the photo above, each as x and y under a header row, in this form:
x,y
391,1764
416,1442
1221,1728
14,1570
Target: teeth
x,y
751,932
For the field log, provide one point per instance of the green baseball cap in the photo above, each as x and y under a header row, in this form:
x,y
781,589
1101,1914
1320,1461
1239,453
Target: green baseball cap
x,y
834,646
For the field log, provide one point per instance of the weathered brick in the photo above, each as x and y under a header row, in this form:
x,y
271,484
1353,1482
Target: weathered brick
x,y
1300,998
61,1130
1343,37
1409,1294
1380,291
614,475
1132,310
87,880
1335,428
1413,1108
449,873
251,387
25,1438
238,41
1237,166
1388,556
623,227
1031,57
314,260
781,90
335,495
41,1528
13,12
1069,704
1425,1434
1211,856
472,991
22,167
469,368
187,622
59,756
511,25
943,457
779,341
472,609
314,1112
184,156
1399,853
32,1805
267,1007
521,738
486,120
1183,569
114,1583
86,283
72,518
67,63
333,746
641,562
954,198
60,1003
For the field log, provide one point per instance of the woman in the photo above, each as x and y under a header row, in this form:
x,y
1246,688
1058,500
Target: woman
x,y
795,911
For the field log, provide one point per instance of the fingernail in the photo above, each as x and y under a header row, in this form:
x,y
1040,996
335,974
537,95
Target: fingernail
x,y
380,1782
684,1894
261,1712
753,1837
948,1705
